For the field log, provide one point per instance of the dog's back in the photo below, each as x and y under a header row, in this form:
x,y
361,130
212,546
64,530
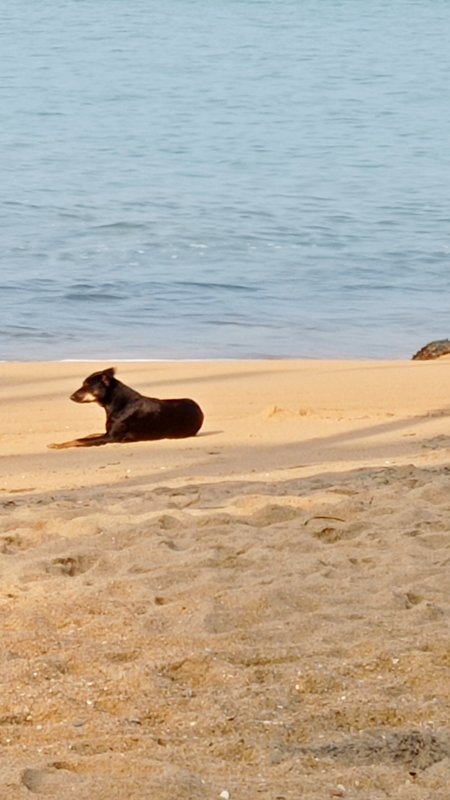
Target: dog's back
x,y
148,418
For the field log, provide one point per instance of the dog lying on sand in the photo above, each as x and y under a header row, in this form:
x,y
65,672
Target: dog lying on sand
x,y
131,417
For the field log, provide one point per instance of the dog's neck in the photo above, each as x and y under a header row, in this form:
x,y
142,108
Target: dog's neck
x,y
117,395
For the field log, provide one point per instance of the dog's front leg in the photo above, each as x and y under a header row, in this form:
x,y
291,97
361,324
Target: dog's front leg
x,y
93,440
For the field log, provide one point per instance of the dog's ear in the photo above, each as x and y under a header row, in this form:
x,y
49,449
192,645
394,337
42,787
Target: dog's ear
x,y
107,375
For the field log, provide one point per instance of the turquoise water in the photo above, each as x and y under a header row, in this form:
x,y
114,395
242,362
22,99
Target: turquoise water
x,y
200,179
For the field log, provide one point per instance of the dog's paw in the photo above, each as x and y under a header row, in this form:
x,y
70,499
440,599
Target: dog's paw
x,y
55,446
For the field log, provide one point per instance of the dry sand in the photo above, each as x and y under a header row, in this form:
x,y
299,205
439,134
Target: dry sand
x,y
260,612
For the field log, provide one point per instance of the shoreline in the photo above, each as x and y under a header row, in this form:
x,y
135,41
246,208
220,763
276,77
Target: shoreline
x,y
98,360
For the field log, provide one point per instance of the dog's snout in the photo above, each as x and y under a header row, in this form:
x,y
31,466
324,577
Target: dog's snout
x,y
82,395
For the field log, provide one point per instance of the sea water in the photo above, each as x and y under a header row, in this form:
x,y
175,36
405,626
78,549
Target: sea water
x,y
224,178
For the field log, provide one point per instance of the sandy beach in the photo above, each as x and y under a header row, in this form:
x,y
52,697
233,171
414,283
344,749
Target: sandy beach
x,y
261,611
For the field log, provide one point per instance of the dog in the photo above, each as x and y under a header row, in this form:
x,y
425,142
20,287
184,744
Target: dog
x,y
131,417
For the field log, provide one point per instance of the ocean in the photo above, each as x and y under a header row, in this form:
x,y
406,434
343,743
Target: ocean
x,y
240,179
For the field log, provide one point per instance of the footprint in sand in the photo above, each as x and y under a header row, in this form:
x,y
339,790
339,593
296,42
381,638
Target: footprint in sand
x,y
54,781
415,749
71,566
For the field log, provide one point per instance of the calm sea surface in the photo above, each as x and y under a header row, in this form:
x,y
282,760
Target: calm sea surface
x,y
206,179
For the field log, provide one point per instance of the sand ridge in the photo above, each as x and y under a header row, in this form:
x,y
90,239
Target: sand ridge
x,y
261,611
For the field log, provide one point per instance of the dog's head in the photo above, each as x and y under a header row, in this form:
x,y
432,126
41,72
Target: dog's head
x,y
94,387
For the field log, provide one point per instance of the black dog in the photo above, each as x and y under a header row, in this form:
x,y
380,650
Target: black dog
x,y
131,417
